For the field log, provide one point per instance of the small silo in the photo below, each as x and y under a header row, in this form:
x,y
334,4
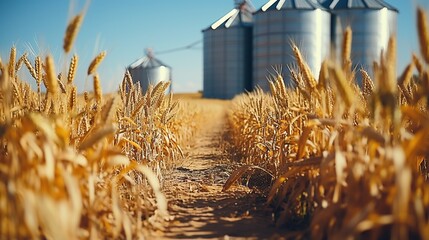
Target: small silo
x,y
372,22
280,22
228,53
149,71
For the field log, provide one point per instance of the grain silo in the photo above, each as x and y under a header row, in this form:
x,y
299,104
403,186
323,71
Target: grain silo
x,y
228,53
372,23
280,22
149,71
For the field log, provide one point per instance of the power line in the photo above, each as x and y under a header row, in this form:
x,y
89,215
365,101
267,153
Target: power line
x,y
187,47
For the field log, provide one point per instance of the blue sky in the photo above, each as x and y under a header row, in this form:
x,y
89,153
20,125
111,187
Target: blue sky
x,y
125,28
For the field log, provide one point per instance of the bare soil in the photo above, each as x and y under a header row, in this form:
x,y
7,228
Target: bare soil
x,y
197,204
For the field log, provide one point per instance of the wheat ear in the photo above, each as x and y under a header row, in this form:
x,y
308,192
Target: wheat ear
x,y
72,69
51,78
11,65
97,89
423,32
71,32
347,45
20,62
95,62
406,76
72,98
367,83
306,72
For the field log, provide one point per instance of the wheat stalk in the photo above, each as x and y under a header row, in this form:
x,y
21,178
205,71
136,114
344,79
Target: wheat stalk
x,y
72,69
97,89
367,83
323,76
406,76
72,99
387,79
305,70
51,79
109,110
71,32
423,33
20,62
30,68
418,64
11,64
347,48
61,84
95,62
342,84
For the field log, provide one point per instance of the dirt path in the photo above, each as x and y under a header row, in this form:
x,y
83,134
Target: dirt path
x,y
196,200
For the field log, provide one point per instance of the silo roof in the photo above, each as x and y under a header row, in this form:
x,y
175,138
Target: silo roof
x,y
291,4
239,16
357,4
147,62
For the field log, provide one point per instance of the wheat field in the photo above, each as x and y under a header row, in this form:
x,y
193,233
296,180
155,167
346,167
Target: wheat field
x,y
343,161
82,166
346,161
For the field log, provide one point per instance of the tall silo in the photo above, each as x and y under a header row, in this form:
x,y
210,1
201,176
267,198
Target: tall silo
x,y
228,53
372,23
280,22
149,71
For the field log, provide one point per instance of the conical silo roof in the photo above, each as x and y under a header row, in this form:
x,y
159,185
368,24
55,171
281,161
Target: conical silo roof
x,y
291,4
357,4
241,15
148,61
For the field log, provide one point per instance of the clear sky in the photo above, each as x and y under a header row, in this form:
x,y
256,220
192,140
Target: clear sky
x,y
125,28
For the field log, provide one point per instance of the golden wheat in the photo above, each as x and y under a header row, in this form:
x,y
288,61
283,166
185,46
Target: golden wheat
x,y
95,62
305,70
367,83
71,32
72,99
97,89
405,78
342,85
423,33
51,79
73,175
347,49
72,69
11,64
345,163
20,62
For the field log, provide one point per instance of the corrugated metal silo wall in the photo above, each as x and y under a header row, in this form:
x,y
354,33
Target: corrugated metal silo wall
x,y
151,75
272,35
371,30
227,61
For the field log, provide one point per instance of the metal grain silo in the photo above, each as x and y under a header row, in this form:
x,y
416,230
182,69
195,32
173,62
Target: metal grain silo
x,y
228,53
372,23
276,24
149,71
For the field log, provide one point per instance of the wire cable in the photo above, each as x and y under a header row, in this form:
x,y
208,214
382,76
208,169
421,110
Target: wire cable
x,y
189,46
